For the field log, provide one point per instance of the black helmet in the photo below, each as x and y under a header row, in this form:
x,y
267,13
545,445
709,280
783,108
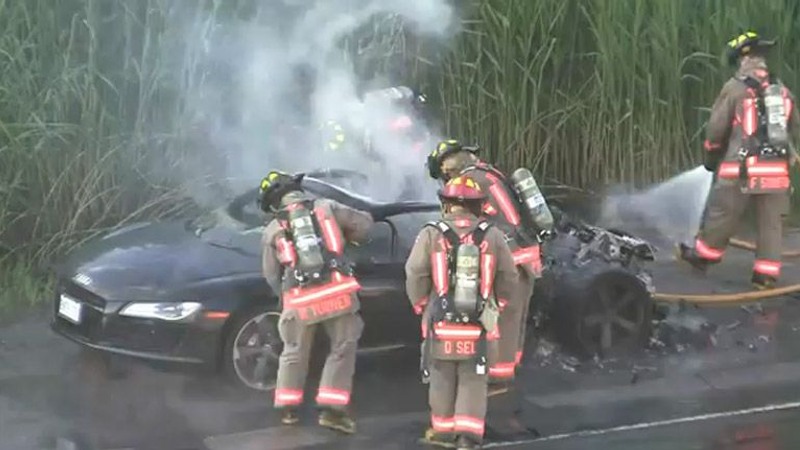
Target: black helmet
x,y
442,151
274,186
744,44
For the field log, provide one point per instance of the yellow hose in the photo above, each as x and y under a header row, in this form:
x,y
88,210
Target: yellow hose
x,y
739,297
747,245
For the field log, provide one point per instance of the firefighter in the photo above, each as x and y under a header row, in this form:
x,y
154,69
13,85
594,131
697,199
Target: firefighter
x,y
405,122
303,260
748,147
524,228
458,271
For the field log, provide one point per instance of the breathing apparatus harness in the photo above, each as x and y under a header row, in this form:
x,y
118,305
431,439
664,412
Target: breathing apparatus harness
x,y
457,305
315,261
769,142
765,135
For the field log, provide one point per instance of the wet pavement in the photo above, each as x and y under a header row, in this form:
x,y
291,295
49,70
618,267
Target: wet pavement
x,y
701,361
737,358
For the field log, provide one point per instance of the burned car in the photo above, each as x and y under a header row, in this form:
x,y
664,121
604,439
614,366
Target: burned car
x,y
192,292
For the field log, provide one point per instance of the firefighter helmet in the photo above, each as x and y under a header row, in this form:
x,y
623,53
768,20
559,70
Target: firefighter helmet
x,y
462,188
274,186
442,151
744,44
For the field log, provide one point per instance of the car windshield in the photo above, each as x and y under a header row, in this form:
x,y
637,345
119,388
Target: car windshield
x,y
241,213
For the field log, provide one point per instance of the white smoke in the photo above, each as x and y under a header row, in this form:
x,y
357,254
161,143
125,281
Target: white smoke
x,y
279,74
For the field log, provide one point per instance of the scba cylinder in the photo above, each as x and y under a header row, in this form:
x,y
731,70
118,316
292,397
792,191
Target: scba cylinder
x,y
465,298
306,241
532,197
776,116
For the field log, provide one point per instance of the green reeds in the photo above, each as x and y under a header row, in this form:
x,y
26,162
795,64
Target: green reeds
x,y
584,92
599,91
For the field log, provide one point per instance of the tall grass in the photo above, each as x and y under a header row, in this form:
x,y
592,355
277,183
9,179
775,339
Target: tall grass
x,y
599,91
88,107
581,91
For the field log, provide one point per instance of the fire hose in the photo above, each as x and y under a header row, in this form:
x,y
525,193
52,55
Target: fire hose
x,y
747,245
737,297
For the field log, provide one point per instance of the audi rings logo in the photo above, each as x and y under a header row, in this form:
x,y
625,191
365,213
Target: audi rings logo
x,y
83,279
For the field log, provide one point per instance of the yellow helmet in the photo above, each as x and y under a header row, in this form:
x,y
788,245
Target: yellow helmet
x,y
744,43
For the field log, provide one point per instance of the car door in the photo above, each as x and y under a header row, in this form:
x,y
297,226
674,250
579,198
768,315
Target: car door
x,y
386,311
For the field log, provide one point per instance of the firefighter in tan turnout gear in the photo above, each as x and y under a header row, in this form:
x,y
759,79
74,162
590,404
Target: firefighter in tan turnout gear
x,y
303,260
749,147
458,271
517,208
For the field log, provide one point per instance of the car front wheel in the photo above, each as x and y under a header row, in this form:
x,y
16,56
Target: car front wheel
x,y
252,349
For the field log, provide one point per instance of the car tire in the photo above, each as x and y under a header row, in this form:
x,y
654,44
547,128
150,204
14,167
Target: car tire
x,y
602,309
252,348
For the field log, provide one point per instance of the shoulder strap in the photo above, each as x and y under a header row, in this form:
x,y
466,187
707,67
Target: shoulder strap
x,y
486,167
751,82
282,216
449,233
480,232
757,85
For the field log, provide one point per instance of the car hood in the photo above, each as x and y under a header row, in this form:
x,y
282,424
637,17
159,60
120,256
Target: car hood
x,y
151,260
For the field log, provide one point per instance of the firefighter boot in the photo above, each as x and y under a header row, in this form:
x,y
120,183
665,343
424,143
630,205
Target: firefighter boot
x,y
688,254
289,417
465,443
763,282
432,437
337,420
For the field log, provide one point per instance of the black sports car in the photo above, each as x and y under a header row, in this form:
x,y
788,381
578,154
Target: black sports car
x,y
192,292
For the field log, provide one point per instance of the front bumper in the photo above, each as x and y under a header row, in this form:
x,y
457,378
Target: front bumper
x,y
101,328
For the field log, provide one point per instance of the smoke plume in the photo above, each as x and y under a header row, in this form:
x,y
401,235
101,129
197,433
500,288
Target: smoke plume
x,y
265,84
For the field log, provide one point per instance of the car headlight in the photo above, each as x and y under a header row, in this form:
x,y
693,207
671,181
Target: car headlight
x,y
165,311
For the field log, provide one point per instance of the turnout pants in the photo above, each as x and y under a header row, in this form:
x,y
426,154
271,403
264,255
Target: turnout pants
x,y
724,211
337,377
457,396
513,323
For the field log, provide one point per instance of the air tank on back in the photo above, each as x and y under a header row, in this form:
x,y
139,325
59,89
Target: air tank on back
x,y
306,242
467,278
532,197
776,116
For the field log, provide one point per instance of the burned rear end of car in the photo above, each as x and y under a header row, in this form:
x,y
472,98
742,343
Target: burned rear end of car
x,y
595,297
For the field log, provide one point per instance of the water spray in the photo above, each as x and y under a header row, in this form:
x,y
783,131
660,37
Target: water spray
x,y
672,209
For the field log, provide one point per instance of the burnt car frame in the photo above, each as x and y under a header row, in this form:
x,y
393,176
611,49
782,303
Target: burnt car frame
x,y
192,292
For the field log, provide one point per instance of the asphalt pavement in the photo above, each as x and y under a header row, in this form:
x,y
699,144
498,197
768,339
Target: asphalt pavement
x,y
712,378
705,365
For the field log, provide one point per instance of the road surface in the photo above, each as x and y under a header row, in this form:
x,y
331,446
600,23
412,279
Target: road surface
x,y
705,366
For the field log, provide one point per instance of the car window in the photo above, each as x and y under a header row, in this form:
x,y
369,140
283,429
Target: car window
x,y
377,249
